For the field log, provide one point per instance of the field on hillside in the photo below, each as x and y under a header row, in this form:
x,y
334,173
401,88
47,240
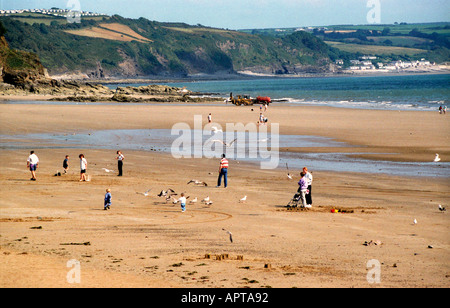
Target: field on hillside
x,y
111,31
376,49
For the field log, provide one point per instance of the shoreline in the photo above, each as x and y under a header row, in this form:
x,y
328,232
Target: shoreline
x,y
119,80
415,141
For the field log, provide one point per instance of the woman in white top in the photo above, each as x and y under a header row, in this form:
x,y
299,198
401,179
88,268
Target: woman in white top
x,y
120,159
83,167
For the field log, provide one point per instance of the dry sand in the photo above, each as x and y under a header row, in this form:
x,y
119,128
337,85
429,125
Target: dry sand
x,y
146,242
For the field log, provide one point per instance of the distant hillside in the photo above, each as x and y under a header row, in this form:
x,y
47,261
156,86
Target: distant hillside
x,y
116,46
389,41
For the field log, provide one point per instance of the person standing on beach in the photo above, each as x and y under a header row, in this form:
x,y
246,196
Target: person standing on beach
x,y
120,159
108,197
303,189
66,164
309,178
440,109
83,167
33,164
209,118
223,171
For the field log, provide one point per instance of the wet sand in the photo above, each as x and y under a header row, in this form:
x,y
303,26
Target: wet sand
x,y
148,242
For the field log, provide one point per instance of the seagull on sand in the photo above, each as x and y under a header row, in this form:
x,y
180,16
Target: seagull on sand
x,y
243,199
437,158
230,234
193,200
223,142
441,208
415,221
207,201
108,170
145,193
197,182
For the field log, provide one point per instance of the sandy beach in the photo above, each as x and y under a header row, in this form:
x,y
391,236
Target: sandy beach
x,y
144,241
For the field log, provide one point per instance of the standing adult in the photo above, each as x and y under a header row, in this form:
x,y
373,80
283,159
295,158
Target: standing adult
x,y
120,159
309,178
33,164
209,118
223,171
83,167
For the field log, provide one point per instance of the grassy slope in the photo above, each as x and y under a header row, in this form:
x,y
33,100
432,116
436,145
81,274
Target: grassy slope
x,y
162,47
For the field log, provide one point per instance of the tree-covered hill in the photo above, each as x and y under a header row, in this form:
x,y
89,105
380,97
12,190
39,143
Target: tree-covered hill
x,y
117,46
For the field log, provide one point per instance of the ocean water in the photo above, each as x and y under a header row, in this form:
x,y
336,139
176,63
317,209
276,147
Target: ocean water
x,y
410,92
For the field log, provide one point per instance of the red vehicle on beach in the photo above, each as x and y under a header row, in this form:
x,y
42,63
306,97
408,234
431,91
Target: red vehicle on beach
x,y
263,100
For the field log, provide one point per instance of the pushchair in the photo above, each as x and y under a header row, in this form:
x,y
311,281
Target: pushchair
x,y
294,201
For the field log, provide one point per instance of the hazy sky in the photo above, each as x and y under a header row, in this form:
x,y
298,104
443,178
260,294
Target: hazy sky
x,y
242,14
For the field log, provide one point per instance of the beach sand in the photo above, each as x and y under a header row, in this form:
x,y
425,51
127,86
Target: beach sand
x,y
148,242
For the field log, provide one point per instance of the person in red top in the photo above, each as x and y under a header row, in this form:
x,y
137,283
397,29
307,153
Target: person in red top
x,y
223,171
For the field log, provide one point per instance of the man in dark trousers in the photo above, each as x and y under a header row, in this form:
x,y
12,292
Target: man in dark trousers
x,y
223,171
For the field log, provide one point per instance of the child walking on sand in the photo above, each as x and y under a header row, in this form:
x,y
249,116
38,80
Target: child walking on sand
x,y
83,167
183,202
108,197
66,164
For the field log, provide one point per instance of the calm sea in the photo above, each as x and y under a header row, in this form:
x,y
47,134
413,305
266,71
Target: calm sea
x,y
418,92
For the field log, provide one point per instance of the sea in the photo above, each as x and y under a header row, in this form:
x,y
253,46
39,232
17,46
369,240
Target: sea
x,y
406,92
397,92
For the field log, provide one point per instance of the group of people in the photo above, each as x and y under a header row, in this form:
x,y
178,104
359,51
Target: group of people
x,y
305,188
33,164
442,109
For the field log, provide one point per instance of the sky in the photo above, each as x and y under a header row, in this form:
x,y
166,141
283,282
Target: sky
x,y
257,14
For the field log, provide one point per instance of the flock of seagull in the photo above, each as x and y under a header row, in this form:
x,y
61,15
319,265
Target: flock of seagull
x,y
170,193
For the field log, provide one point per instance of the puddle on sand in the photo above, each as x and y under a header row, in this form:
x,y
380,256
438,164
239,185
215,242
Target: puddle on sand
x,y
161,140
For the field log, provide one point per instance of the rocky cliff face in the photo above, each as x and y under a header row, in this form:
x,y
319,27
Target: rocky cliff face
x,y
19,68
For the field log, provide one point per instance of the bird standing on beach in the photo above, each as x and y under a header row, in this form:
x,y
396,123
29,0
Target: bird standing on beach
x,y
243,199
437,158
108,170
193,200
207,201
415,221
441,208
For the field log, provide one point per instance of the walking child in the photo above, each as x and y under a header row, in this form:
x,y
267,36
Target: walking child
x,y
183,202
66,164
83,167
108,198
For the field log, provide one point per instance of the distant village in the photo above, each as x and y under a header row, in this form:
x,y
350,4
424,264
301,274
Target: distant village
x,y
53,12
371,63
